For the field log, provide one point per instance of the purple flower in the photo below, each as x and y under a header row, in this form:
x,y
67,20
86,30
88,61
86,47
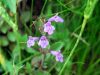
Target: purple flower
x,y
56,18
58,55
49,28
43,42
31,41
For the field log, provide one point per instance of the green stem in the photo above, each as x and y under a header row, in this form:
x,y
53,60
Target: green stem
x,y
43,7
10,22
52,67
17,36
89,70
27,29
76,44
28,58
70,9
31,12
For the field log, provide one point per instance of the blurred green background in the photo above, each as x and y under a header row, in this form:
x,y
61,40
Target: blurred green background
x,y
20,19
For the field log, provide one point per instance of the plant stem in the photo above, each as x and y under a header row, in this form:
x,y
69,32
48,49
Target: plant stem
x,y
90,68
13,25
43,7
77,41
31,12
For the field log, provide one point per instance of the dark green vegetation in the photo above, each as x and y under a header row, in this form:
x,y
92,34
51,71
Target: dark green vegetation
x,y
78,37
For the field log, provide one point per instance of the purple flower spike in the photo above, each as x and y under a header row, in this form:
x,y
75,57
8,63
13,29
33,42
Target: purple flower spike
x,y
49,28
31,41
56,18
43,42
58,55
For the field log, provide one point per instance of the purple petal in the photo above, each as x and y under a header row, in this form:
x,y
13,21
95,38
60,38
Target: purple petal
x,y
59,58
49,28
51,19
43,42
35,38
58,55
31,41
56,19
59,19
54,53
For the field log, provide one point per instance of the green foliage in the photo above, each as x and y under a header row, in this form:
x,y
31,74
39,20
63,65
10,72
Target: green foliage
x,y
11,4
28,67
11,36
81,58
57,46
89,8
4,41
4,28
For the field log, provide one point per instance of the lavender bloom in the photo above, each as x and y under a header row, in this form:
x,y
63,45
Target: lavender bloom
x,y
43,42
49,28
31,41
56,18
58,55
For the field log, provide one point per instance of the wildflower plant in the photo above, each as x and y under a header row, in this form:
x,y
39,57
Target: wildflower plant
x,y
43,41
37,54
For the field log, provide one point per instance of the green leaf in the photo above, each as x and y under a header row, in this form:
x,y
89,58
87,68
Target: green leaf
x,y
58,34
36,59
9,67
11,36
57,45
49,11
28,67
1,21
4,41
15,51
11,4
32,51
4,28
23,39
25,16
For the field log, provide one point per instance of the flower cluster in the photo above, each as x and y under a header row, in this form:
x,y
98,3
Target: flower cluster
x,y
48,27
43,41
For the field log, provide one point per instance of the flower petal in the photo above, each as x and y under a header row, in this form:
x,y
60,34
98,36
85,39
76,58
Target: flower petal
x,y
49,28
31,41
54,53
43,42
58,55
56,18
